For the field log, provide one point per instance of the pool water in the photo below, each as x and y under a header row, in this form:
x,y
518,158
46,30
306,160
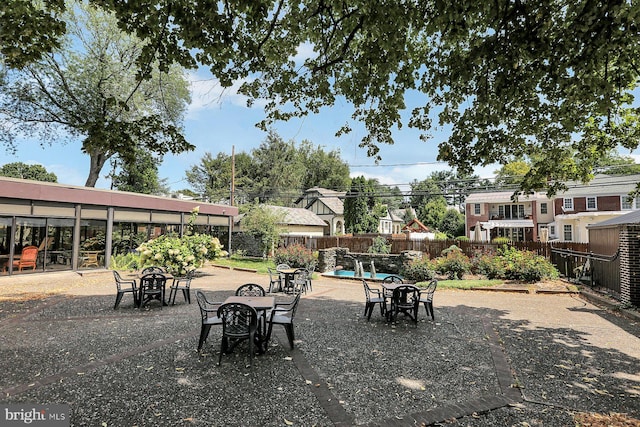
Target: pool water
x,y
350,274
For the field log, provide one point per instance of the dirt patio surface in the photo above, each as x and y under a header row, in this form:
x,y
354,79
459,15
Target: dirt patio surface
x,y
489,358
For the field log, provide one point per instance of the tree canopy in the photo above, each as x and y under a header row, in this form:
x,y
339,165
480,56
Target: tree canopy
x,y
275,172
25,171
89,89
554,79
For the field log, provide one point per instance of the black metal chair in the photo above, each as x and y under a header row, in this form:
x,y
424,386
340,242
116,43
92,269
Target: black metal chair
x,y
275,281
406,300
152,287
181,284
373,296
311,268
125,287
209,315
152,269
426,298
299,282
283,314
239,323
250,290
391,279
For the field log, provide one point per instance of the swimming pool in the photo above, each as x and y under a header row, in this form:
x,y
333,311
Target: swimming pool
x,y
350,274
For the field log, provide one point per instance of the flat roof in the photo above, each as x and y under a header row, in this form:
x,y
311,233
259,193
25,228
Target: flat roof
x,y
22,189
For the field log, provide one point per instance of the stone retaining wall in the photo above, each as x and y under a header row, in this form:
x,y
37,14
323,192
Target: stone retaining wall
x,y
333,258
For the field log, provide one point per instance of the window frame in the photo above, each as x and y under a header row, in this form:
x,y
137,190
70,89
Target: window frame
x,y
595,203
567,203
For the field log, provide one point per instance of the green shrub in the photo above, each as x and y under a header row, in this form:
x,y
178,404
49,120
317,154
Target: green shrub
x,y
127,261
510,263
454,263
418,270
379,246
296,256
462,239
500,241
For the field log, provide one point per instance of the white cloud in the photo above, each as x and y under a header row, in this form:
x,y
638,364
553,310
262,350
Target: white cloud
x,y
207,94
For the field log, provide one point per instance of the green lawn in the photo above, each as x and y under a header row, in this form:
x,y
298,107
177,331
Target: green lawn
x,y
463,284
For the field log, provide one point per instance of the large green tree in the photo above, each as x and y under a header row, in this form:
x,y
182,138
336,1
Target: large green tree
x,y
25,171
360,210
139,175
89,89
551,78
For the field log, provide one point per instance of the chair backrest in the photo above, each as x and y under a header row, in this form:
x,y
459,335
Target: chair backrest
x,y
367,290
392,279
152,269
238,320
430,290
272,274
29,253
282,267
406,295
250,290
207,308
153,281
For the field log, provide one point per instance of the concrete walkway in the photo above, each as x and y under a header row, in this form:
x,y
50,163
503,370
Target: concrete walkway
x,y
488,359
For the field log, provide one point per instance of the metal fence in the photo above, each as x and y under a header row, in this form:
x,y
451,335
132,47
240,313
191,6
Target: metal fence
x,y
589,268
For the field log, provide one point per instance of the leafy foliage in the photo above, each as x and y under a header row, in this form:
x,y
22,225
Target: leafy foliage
x,y
126,261
419,270
24,171
379,246
296,256
359,213
453,262
510,263
549,79
89,89
264,224
179,255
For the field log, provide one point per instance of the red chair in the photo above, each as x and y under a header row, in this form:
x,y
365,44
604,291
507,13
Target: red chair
x,y
27,259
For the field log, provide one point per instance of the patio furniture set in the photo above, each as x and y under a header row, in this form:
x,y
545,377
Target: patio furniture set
x,y
152,286
396,297
248,315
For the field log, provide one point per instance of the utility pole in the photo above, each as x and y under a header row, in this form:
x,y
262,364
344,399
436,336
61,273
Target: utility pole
x,y
233,174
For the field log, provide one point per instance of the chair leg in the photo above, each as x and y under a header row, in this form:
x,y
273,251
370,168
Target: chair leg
x,y
367,311
204,333
187,295
290,334
433,315
118,299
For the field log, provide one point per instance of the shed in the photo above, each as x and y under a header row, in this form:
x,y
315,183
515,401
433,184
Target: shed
x,y
618,238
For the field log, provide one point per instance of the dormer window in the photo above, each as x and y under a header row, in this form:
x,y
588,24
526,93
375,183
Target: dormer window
x,y
567,204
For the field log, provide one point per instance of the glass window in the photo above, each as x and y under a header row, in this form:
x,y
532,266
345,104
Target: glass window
x,y
568,234
567,204
92,243
543,208
626,202
476,209
592,203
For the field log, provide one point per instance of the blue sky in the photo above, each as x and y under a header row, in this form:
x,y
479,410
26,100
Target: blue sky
x,y
216,121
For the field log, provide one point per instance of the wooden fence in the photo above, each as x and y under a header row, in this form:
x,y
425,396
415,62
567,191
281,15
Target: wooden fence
x,y
433,248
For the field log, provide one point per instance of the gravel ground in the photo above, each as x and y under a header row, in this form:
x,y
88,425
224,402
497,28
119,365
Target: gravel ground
x,y
488,359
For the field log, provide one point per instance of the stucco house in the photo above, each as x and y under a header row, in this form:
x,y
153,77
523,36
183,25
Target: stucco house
x,y
327,205
296,222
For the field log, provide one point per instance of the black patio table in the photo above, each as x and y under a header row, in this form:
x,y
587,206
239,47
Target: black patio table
x,y
388,289
262,305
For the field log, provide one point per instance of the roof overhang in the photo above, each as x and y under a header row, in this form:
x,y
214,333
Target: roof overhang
x,y
514,223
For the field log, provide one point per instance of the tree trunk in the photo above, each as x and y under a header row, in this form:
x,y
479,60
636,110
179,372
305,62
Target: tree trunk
x,y
97,162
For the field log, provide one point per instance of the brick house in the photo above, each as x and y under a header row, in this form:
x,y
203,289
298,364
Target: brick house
x,y
498,215
582,205
536,217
